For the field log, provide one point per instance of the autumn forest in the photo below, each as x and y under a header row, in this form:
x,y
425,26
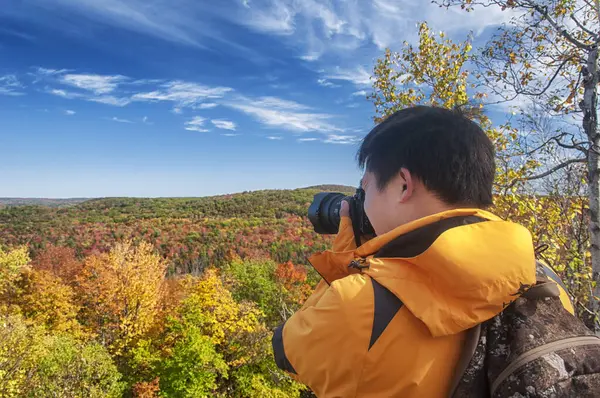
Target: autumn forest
x,y
132,297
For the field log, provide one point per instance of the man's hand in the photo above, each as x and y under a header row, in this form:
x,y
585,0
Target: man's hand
x,y
344,209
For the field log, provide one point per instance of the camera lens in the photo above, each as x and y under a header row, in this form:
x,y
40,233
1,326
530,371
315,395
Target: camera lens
x,y
324,212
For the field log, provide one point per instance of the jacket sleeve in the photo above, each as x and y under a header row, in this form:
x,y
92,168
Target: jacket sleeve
x,y
314,346
343,241
302,345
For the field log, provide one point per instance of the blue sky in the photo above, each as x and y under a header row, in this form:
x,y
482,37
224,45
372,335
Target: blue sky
x,y
157,98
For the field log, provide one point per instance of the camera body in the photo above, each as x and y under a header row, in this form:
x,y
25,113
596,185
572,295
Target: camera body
x,y
324,213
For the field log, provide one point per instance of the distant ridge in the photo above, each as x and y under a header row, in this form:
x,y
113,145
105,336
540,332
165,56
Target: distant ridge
x,y
332,188
67,202
41,202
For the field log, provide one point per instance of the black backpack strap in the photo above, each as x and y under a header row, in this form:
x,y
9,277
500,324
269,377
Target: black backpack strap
x,y
468,350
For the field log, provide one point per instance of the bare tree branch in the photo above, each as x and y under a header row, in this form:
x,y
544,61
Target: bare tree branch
x,y
554,169
562,31
586,30
549,82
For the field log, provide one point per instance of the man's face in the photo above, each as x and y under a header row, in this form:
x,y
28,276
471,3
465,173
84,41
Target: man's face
x,y
378,204
390,207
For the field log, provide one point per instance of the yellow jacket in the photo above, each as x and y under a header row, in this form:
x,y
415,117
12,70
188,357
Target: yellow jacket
x,y
390,317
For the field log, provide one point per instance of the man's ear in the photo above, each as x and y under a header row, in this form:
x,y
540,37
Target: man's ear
x,y
408,185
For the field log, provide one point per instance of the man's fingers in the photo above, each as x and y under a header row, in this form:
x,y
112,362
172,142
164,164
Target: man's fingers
x,y
345,209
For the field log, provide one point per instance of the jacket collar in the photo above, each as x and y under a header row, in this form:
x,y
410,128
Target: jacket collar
x,y
408,240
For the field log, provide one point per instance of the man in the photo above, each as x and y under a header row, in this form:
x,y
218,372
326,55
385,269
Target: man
x,y
390,317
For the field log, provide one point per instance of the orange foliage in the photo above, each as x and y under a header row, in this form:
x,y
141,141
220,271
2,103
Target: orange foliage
x,y
293,278
59,261
146,389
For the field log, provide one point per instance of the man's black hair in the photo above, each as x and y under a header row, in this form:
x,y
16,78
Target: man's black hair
x,y
443,148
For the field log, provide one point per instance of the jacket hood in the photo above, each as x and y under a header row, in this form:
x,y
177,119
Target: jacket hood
x,y
452,270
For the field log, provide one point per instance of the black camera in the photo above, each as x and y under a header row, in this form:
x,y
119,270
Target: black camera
x,y
324,213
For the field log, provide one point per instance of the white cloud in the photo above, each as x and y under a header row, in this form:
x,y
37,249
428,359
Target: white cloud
x,y
110,100
309,57
361,93
63,93
98,84
10,85
223,124
274,138
275,102
69,112
50,72
276,112
276,18
46,73
119,120
183,94
177,111
145,120
325,83
102,99
359,76
307,139
315,28
196,124
341,139
206,105
230,134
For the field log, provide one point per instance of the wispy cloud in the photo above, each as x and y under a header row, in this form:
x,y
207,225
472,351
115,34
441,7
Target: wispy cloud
x,y
274,17
63,93
196,124
309,57
276,112
326,83
10,85
307,139
341,139
98,84
69,112
206,105
44,73
119,120
274,138
358,76
230,134
223,124
361,93
110,100
183,94
145,120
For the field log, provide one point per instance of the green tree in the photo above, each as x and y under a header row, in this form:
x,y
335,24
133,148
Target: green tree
x,y
34,363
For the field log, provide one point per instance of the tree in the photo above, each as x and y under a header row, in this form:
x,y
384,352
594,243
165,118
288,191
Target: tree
x,y
549,53
59,261
45,299
12,262
121,292
34,363
436,73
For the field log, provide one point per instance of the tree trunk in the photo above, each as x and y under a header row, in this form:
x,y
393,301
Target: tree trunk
x,y
590,126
